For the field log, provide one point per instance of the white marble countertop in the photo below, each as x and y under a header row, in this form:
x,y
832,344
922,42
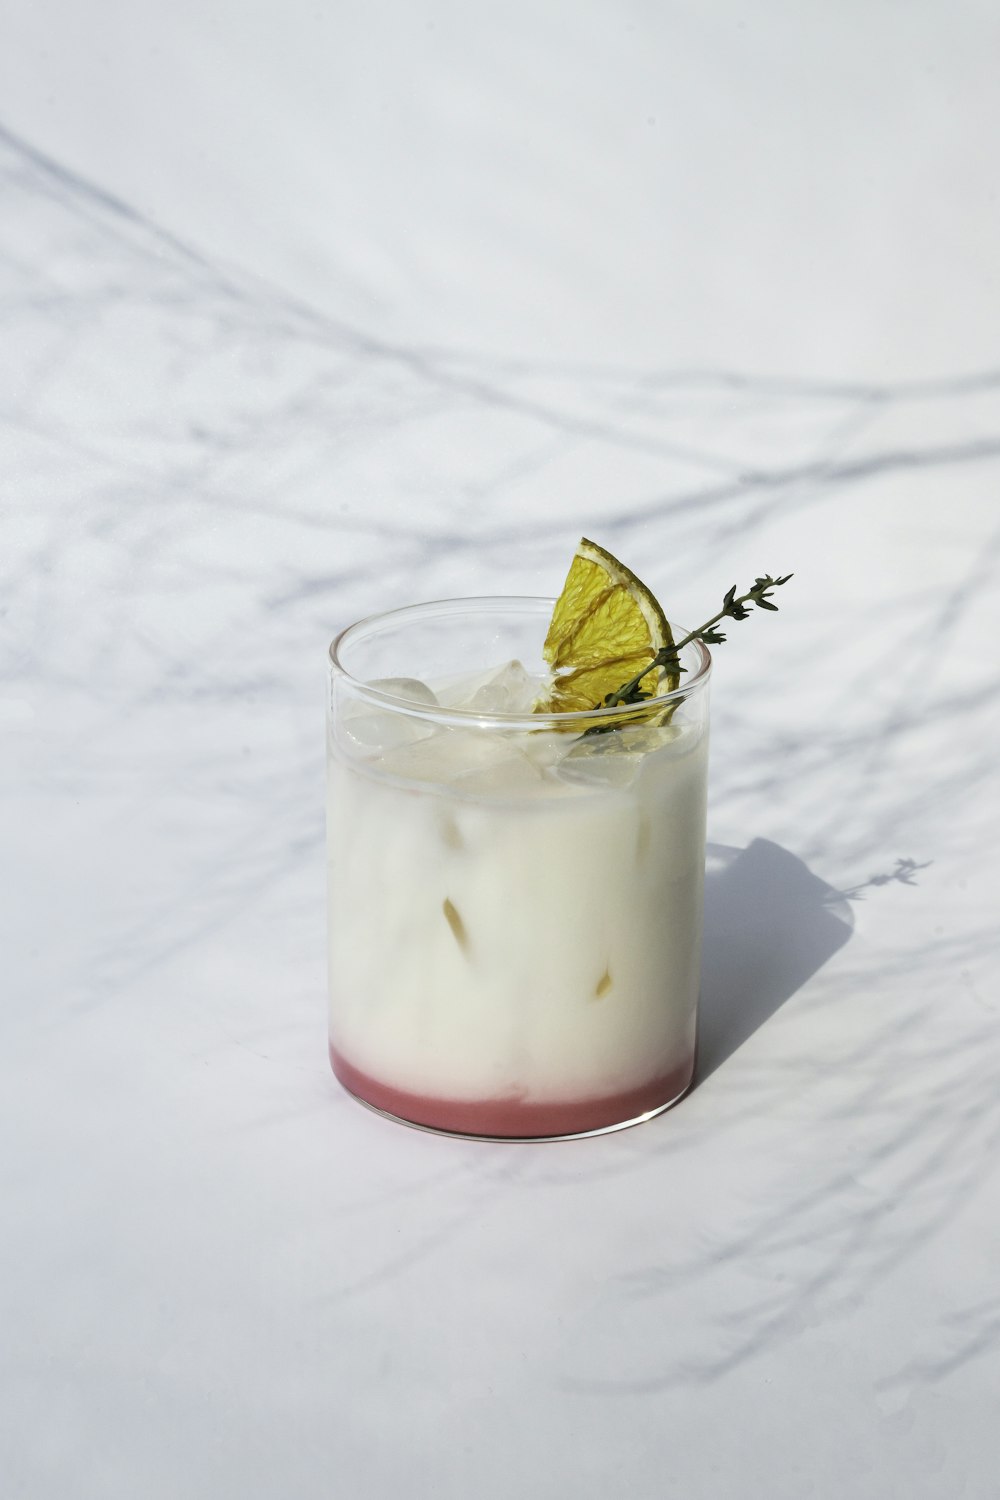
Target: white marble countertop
x,y
308,315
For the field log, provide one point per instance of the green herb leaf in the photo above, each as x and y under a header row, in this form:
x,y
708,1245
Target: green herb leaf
x,y
733,608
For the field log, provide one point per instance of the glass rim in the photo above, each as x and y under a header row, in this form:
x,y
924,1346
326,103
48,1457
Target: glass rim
x,y
509,604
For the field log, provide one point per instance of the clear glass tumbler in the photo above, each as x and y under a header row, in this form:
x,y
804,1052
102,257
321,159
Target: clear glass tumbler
x,y
515,899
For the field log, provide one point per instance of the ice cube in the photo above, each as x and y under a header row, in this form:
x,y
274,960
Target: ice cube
x,y
515,776
449,754
410,689
370,730
509,689
597,768
614,759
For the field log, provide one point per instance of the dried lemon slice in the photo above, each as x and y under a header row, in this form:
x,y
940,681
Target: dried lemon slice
x,y
606,626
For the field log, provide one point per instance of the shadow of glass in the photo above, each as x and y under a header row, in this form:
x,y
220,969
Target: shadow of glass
x,y
770,924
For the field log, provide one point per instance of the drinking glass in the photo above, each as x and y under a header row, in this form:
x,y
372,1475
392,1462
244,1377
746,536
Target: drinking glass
x,y
515,898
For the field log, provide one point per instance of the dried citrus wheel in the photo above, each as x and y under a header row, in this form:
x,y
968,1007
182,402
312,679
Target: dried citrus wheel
x,y
606,626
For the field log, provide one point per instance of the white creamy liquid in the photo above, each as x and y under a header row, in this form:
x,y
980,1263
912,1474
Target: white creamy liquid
x,y
514,917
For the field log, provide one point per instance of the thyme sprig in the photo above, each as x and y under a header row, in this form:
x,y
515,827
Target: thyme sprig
x,y
733,608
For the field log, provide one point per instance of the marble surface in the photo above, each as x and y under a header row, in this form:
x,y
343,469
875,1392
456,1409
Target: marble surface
x,y
304,316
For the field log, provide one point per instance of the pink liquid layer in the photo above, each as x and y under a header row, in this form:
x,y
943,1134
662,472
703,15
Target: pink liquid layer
x,y
513,1116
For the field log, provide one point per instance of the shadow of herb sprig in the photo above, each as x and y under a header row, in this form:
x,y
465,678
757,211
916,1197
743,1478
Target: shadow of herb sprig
x,y
902,874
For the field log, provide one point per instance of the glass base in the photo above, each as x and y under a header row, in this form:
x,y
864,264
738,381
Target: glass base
x,y
514,1119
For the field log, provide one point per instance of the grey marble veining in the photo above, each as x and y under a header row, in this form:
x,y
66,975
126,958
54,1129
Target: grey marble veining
x,y
218,1274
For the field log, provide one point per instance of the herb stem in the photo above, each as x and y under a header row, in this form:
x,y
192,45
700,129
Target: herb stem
x,y
733,608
